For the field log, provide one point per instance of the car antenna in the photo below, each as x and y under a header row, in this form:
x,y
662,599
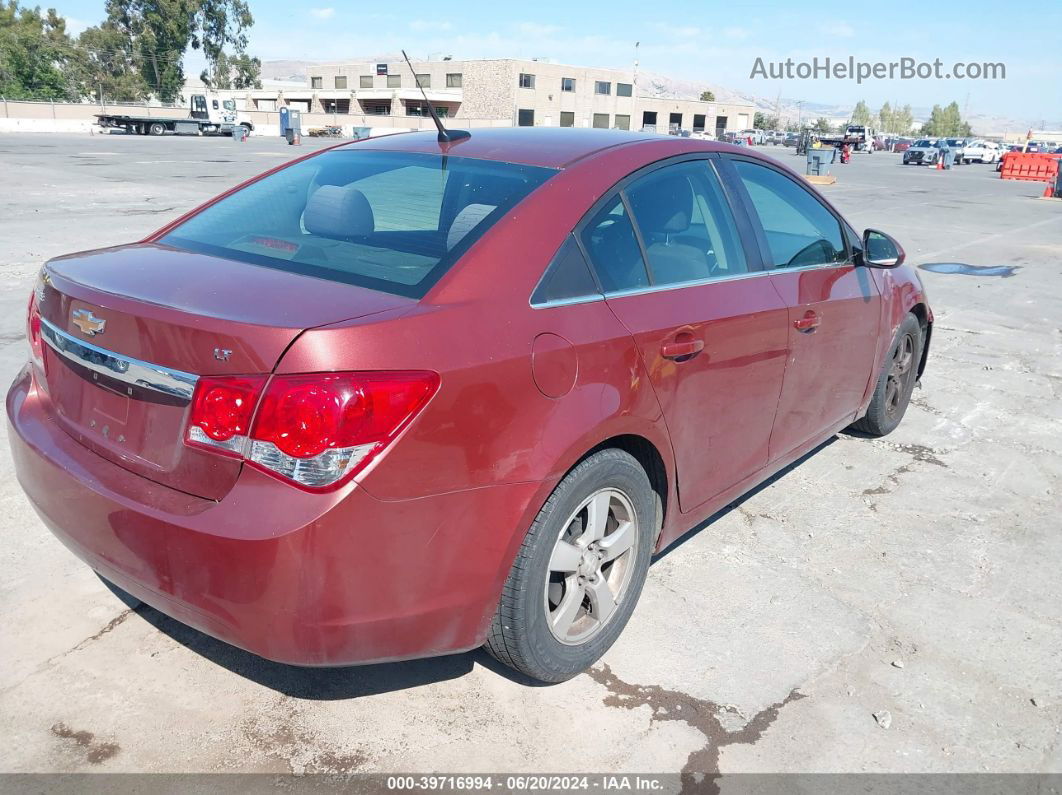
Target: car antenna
x,y
445,136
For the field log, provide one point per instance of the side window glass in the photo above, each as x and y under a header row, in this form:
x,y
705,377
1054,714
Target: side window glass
x,y
800,230
613,249
567,278
686,225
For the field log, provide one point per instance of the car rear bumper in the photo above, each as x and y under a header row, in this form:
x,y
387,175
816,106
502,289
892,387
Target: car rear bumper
x,y
299,578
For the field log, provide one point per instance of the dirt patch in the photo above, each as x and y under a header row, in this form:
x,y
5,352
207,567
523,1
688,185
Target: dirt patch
x,y
95,752
701,770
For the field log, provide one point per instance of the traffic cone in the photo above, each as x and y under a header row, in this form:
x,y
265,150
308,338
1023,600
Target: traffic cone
x,y
940,164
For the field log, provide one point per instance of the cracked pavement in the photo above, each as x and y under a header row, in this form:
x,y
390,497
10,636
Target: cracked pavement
x,y
917,574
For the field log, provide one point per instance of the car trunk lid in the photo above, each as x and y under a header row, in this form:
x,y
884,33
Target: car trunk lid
x,y
128,330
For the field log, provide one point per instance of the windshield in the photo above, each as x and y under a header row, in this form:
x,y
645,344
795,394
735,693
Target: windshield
x,y
955,141
925,142
391,221
229,104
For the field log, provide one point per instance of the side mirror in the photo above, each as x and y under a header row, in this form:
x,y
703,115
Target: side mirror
x,y
881,250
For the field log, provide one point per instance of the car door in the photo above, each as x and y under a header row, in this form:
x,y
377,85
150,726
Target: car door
x,y
710,329
834,306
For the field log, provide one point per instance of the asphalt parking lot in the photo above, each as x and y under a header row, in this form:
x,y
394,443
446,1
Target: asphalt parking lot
x,y
917,575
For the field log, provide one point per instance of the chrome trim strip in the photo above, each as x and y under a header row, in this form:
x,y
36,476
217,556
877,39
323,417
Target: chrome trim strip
x,y
659,288
121,368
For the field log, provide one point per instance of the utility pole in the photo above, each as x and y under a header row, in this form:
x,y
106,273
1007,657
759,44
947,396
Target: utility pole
x,y
800,112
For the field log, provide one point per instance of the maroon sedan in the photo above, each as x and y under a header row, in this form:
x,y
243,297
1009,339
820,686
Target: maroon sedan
x,y
407,397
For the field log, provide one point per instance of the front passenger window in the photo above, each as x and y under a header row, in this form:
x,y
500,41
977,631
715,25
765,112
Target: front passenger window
x,y
800,230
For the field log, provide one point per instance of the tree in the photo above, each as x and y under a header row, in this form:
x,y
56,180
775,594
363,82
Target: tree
x,y
761,121
946,122
247,72
707,96
162,30
861,114
886,121
822,125
35,54
107,64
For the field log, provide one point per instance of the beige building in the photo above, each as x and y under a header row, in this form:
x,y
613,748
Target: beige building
x,y
502,92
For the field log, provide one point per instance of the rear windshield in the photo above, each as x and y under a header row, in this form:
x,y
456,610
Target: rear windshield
x,y
391,221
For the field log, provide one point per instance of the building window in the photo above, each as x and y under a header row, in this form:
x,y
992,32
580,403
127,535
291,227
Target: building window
x,y
336,106
265,104
567,84
527,81
623,122
624,89
453,80
602,87
366,81
698,122
394,81
674,121
567,118
601,121
341,81
316,82
376,108
525,117
424,81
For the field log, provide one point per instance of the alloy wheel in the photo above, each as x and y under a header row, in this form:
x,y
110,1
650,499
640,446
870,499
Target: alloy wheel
x,y
901,369
590,567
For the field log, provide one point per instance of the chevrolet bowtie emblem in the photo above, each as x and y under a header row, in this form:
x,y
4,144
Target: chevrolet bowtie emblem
x,y
88,322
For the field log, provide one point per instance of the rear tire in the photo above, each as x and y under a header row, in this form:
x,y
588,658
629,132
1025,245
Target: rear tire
x,y
896,382
156,128
579,572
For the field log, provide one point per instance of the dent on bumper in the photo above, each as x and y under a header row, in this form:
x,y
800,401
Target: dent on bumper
x,y
300,578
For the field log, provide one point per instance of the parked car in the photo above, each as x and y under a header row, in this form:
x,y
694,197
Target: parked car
x,y
979,151
958,148
405,398
758,137
791,138
923,152
901,144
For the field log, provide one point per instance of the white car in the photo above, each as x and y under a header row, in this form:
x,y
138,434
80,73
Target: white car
x,y
981,151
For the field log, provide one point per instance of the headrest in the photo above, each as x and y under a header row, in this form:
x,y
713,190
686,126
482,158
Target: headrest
x,y
338,212
666,205
466,221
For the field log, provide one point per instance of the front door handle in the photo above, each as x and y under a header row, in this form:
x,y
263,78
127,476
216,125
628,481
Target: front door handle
x,y
681,347
808,323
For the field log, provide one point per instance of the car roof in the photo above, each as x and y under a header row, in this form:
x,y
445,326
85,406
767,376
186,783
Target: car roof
x,y
551,147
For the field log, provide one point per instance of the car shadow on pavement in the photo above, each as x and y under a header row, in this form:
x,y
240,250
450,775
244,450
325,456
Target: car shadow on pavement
x,y
733,506
334,684
325,684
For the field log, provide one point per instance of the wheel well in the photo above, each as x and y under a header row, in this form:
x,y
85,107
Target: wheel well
x,y
919,311
652,462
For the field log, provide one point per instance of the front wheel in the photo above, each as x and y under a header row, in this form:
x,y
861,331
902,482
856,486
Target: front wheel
x,y
896,381
156,128
579,571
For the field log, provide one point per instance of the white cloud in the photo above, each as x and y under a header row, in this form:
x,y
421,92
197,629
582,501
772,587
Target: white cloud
x,y
840,29
430,25
75,26
678,31
736,34
536,30
322,13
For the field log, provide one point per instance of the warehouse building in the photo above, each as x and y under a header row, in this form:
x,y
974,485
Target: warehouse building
x,y
496,93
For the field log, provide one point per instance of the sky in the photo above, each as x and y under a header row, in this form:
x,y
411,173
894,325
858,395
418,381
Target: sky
x,y
712,41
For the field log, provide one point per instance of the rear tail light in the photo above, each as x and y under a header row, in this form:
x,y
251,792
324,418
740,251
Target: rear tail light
x,y
33,328
314,430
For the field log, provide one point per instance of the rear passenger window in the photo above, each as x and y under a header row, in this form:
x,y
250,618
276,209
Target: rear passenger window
x,y
800,231
567,278
686,225
613,249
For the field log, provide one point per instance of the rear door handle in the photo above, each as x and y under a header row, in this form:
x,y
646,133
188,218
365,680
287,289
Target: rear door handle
x,y
682,346
808,323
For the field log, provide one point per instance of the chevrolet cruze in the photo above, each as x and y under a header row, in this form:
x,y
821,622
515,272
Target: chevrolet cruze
x,y
408,397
